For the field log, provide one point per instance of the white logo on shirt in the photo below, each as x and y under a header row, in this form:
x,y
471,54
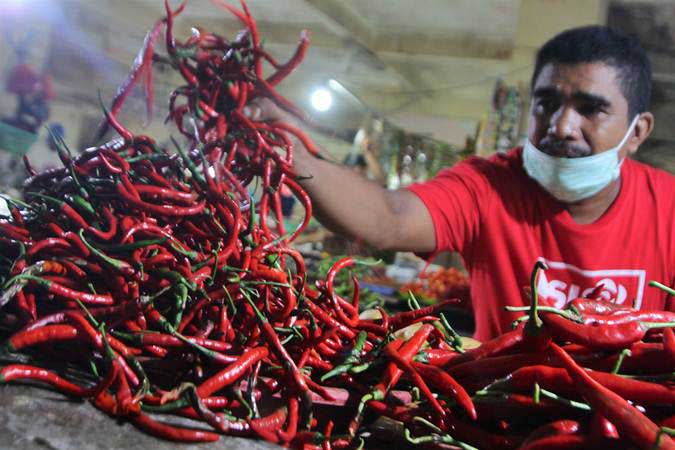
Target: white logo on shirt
x,y
563,282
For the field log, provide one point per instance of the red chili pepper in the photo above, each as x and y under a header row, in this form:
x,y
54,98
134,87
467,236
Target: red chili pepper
x,y
323,316
495,367
669,422
407,367
16,214
112,120
108,165
602,427
44,177
507,405
403,319
508,342
479,437
669,344
630,423
155,350
141,65
77,243
67,282
51,266
558,380
46,244
29,167
112,226
14,232
62,291
641,316
401,413
25,372
606,337
170,432
597,306
406,351
644,358
574,441
74,269
289,433
163,210
165,340
232,372
286,360
159,193
438,357
48,333
285,70
556,428
448,385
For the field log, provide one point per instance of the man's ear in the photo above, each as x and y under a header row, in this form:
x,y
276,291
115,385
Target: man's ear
x,y
643,128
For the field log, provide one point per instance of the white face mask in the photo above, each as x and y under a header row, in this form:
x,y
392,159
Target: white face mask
x,y
573,179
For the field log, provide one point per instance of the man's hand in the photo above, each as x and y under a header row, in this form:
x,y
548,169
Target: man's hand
x,y
265,110
348,203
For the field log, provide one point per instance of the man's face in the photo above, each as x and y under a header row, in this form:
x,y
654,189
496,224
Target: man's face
x,y
578,110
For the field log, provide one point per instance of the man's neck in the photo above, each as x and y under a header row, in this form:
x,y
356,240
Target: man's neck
x,y
591,209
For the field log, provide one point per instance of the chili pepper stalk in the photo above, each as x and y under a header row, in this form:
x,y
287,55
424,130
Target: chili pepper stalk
x,y
535,335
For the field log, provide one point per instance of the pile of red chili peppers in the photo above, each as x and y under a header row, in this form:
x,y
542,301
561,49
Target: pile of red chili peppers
x,y
165,288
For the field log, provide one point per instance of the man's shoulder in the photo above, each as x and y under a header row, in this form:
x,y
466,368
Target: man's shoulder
x,y
513,159
502,162
496,172
652,186
652,176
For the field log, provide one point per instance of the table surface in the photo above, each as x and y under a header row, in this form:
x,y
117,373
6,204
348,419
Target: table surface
x,y
33,418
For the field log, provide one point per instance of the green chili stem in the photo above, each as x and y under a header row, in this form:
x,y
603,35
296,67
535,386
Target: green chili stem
x,y
456,338
650,325
565,401
189,163
550,309
536,395
116,263
535,321
619,361
663,287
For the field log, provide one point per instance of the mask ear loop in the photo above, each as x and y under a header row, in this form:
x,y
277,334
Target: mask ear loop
x,y
629,131
626,136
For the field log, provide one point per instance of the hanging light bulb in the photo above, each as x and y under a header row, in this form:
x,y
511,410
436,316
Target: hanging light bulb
x,y
321,99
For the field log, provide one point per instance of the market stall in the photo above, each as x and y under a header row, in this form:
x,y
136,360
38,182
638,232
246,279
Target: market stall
x,y
172,288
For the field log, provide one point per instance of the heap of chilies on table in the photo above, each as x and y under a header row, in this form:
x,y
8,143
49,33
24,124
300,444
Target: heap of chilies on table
x,y
151,282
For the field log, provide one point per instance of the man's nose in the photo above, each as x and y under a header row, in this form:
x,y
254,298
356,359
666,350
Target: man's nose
x,y
564,124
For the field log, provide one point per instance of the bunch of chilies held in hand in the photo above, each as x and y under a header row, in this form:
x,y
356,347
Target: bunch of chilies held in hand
x,y
165,288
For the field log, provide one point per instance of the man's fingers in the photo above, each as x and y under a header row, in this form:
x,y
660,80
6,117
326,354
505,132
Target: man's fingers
x,y
252,111
265,109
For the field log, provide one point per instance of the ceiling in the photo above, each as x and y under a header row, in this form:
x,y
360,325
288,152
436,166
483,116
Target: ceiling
x,y
427,65
407,60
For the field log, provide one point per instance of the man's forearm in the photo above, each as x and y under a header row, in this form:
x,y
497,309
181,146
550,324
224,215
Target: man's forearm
x,y
347,203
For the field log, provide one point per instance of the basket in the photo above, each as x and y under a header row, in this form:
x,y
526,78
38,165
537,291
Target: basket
x,y
15,140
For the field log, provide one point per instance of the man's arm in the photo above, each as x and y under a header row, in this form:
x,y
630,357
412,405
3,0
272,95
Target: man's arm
x,y
347,203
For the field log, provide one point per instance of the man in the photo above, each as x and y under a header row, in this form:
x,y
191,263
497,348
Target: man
x,y
571,197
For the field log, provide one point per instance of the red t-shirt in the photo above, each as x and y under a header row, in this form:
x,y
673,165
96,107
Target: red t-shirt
x,y
501,222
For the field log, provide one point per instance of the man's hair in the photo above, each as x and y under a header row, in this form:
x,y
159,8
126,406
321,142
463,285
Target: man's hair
x,y
597,43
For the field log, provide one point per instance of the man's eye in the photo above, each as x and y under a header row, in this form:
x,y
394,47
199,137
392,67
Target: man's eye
x,y
546,104
590,110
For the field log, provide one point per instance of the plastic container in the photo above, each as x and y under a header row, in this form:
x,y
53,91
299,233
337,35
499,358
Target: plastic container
x,y
15,140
